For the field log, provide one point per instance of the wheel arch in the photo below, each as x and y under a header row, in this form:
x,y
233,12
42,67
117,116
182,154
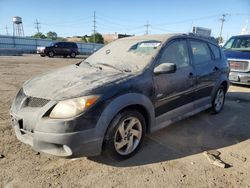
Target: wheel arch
x,y
127,101
223,80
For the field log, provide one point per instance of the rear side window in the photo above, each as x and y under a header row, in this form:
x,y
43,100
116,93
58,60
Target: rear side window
x,y
74,45
70,45
60,44
215,50
67,45
201,52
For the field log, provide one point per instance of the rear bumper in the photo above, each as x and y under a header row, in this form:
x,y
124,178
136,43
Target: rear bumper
x,y
240,77
40,51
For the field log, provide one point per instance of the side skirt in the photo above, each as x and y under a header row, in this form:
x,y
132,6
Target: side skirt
x,y
180,113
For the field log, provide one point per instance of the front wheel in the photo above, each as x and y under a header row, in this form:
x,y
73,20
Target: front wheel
x,y
125,134
218,101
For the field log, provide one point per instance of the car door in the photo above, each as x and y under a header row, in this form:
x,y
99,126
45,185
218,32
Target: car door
x,y
205,68
173,90
67,48
58,48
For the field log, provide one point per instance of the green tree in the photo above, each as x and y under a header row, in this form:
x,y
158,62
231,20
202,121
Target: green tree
x,y
96,38
84,39
52,35
39,35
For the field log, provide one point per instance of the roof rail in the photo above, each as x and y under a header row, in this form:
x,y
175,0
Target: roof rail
x,y
201,36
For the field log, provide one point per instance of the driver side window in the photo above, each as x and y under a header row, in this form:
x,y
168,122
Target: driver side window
x,y
177,53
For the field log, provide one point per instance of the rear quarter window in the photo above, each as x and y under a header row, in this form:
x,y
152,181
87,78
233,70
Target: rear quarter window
x,y
215,50
201,52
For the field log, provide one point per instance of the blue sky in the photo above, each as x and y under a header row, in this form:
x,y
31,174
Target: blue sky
x,y
75,17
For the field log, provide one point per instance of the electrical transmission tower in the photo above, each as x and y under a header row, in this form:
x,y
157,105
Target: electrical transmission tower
x,y
222,20
94,27
147,27
37,26
7,30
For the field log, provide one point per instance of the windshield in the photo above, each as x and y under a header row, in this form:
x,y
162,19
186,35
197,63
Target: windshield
x,y
238,43
126,54
51,44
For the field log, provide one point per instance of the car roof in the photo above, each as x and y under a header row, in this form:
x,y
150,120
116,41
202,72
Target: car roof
x,y
164,37
235,36
159,37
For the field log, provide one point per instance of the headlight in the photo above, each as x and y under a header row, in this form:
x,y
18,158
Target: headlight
x,y
72,107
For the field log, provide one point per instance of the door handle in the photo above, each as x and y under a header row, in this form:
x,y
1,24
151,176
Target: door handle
x,y
216,68
191,75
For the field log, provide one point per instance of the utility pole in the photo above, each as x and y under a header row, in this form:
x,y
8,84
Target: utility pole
x,y
37,26
94,26
147,26
7,30
222,19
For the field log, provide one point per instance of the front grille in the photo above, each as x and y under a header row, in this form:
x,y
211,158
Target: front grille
x,y
35,102
238,65
23,100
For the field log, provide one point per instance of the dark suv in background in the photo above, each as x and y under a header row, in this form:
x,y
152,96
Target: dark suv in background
x,y
59,49
237,51
130,87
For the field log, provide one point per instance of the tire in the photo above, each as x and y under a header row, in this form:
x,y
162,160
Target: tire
x,y
51,54
218,101
65,56
42,55
125,135
73,54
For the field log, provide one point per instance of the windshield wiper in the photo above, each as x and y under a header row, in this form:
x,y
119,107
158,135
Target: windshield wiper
x,y
113,67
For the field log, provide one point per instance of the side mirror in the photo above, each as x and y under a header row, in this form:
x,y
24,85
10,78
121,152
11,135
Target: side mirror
x,y
165,68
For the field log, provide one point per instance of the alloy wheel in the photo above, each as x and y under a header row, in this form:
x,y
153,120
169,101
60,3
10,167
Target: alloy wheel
x,y
219,99
128,136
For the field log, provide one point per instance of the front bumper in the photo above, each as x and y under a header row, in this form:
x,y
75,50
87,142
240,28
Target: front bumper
x,y
77,136
71,144
240,77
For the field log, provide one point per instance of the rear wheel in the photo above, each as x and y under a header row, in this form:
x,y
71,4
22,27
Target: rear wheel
x,y
218,101
126,134
73,54
51,54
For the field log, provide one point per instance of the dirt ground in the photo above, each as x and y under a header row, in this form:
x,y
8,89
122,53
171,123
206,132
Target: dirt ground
x,y
172,157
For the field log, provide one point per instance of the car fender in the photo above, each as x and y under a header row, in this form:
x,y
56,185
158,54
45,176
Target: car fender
x,y
120,103
218,83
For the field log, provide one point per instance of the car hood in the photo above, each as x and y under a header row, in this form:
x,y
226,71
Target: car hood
x,y
70,82
232,54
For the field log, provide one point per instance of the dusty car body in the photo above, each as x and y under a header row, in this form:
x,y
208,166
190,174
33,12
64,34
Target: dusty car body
x,y
126,89
237,50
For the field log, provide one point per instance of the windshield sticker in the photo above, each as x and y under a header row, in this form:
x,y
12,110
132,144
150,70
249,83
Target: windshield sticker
x,y
150,45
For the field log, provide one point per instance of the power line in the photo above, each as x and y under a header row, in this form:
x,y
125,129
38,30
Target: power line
x,y
37,26
187,20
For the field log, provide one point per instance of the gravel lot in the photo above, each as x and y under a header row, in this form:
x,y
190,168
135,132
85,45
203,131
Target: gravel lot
x,y
172,157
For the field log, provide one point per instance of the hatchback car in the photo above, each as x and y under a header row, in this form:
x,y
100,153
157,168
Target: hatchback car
x,y
237,50
59,49
130,87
